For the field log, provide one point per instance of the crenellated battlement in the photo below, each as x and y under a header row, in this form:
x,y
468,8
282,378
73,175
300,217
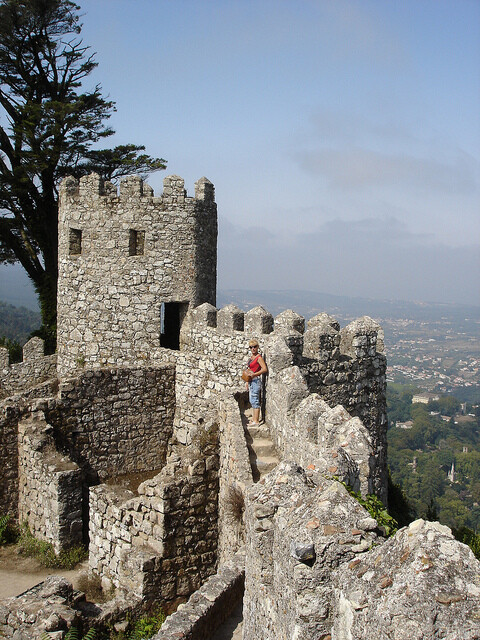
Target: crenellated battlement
x,y
93,187
343,366
149,398
322,339
34,368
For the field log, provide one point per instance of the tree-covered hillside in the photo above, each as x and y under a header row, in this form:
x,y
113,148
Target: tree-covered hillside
x,y
17,323
425,442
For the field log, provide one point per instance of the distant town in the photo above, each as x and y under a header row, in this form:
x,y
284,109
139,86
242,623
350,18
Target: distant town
x,y
434,347
440,356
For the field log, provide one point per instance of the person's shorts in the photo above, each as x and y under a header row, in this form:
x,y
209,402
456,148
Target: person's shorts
x,y
254,388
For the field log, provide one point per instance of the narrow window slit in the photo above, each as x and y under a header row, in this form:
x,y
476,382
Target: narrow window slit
x,y
75,242
136,243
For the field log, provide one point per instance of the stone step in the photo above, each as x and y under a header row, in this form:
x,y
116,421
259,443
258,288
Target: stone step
x,y
263,447
262,431
266,464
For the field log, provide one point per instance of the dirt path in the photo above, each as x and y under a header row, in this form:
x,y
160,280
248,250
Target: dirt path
x,y
17,573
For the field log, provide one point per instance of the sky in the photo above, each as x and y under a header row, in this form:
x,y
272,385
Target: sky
x,y
342,137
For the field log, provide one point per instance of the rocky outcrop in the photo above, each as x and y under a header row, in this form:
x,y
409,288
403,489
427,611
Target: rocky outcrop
x,y
421,583
318,568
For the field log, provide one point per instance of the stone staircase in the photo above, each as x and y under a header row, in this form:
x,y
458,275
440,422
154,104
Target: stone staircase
x,y
262,452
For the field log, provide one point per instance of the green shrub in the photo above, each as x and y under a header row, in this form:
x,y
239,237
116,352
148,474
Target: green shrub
x,y
147,626
45,553
376,509
141,628
8,529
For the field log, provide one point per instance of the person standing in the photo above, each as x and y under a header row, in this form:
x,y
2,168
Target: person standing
x,y
256,368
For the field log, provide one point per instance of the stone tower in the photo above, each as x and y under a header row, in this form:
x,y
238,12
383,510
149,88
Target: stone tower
x,y
130,267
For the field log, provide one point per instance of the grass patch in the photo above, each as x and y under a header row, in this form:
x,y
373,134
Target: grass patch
x,y
235,503
91,585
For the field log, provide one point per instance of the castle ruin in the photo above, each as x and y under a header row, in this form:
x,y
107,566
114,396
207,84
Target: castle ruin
x,y
133,438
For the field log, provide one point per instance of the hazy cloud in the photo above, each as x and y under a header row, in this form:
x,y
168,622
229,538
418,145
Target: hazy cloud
x,y
359,168
378,258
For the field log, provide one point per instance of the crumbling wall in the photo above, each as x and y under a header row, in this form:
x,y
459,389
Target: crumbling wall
x,y
50,485
50,608
11,412
115,421
162,543
121,257
47,608
108,422
422,583
34,369
317,567
235,475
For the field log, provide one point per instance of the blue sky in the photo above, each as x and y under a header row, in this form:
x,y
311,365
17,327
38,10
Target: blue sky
x,y
343,137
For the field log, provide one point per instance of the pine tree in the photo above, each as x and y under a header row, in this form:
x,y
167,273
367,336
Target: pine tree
x,y
48,125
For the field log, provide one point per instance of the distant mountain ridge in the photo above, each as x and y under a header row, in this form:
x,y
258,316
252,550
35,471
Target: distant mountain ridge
x,y
16,288
17,323
309,303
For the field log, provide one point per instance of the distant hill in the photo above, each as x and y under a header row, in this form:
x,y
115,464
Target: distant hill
x,y
309,303
16,323
16,288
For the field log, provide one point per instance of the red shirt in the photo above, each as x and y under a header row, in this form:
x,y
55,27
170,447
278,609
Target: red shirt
x,y
253,364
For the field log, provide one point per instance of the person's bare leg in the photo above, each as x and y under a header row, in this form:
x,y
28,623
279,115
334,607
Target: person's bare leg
x,y
256,415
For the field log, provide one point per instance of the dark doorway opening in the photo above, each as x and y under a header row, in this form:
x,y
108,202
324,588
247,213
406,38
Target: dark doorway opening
x,y
172,315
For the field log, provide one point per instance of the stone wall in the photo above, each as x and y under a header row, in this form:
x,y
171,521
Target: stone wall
x,y
347,367
339,367
121,257
343,367
50,485
47,608
115,421
300,527
214,350
307,430
34,369
50,608
208,607
162,543
112,422
11,412
422,583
